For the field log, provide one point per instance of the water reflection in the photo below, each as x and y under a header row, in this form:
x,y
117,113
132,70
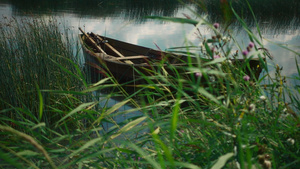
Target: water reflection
x,y
131,9
124,20
265,11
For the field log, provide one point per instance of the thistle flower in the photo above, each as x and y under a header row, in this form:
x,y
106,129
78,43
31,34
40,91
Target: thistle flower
x,y
216,56
198,74
246,78
251,45
245,53
216,25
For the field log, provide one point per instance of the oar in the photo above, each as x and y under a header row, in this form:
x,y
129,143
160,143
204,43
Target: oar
x,y
113,49
91,40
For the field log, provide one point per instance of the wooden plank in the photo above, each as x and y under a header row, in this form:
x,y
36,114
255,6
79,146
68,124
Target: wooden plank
x,y
113,49
133,57
92,41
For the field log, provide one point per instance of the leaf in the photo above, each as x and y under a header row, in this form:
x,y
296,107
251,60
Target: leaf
x,y
208,50
125,150
185,165
27,153
66,70
111,110
146,156
128,126
174,119
247,29
79,108
64,92
201,90
156,131
116,107
39,125
7,158
86,145
172,19
255,20
222,161
215,61
41,106
86,158
101,82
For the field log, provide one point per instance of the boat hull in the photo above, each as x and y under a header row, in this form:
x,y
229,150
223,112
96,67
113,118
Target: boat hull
x,y
172,64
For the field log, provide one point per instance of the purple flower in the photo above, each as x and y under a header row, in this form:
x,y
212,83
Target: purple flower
x,y
251,45
198,74
216,25
216,56
246,78
245,53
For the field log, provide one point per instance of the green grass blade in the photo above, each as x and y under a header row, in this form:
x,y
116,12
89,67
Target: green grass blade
x,y
176,20
79,108
208,50
41,106
146,156
128,126
111,110
201,90
255,20
222,161
86,145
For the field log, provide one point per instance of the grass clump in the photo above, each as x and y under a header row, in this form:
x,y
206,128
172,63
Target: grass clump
x,y
31,50
218,115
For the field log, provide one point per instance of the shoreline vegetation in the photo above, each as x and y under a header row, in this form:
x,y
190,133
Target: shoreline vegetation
x,y
50,116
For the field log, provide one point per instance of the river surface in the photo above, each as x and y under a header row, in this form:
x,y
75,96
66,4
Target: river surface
x,y
125,20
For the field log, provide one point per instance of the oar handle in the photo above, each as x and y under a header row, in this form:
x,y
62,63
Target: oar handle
x,y
92,41
112,48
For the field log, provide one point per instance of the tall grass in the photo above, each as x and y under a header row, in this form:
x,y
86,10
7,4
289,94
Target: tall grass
x,y
34,55
230,122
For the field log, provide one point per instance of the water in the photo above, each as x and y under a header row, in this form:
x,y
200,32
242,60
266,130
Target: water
x,y
124,20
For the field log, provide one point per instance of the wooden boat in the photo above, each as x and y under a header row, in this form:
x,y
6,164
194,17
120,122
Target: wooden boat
x,y
126,62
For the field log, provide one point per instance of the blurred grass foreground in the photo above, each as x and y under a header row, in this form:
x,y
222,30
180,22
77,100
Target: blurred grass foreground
x,y
50,116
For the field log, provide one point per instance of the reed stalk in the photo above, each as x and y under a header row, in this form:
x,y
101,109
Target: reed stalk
x,y
31,49
216,115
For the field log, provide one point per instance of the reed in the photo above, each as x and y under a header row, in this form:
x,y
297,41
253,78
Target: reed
x,y
232,121
31,50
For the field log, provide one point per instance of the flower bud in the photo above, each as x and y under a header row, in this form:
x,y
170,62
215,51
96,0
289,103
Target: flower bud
x,y
246,78
216,25
262,98
251,45
245,53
